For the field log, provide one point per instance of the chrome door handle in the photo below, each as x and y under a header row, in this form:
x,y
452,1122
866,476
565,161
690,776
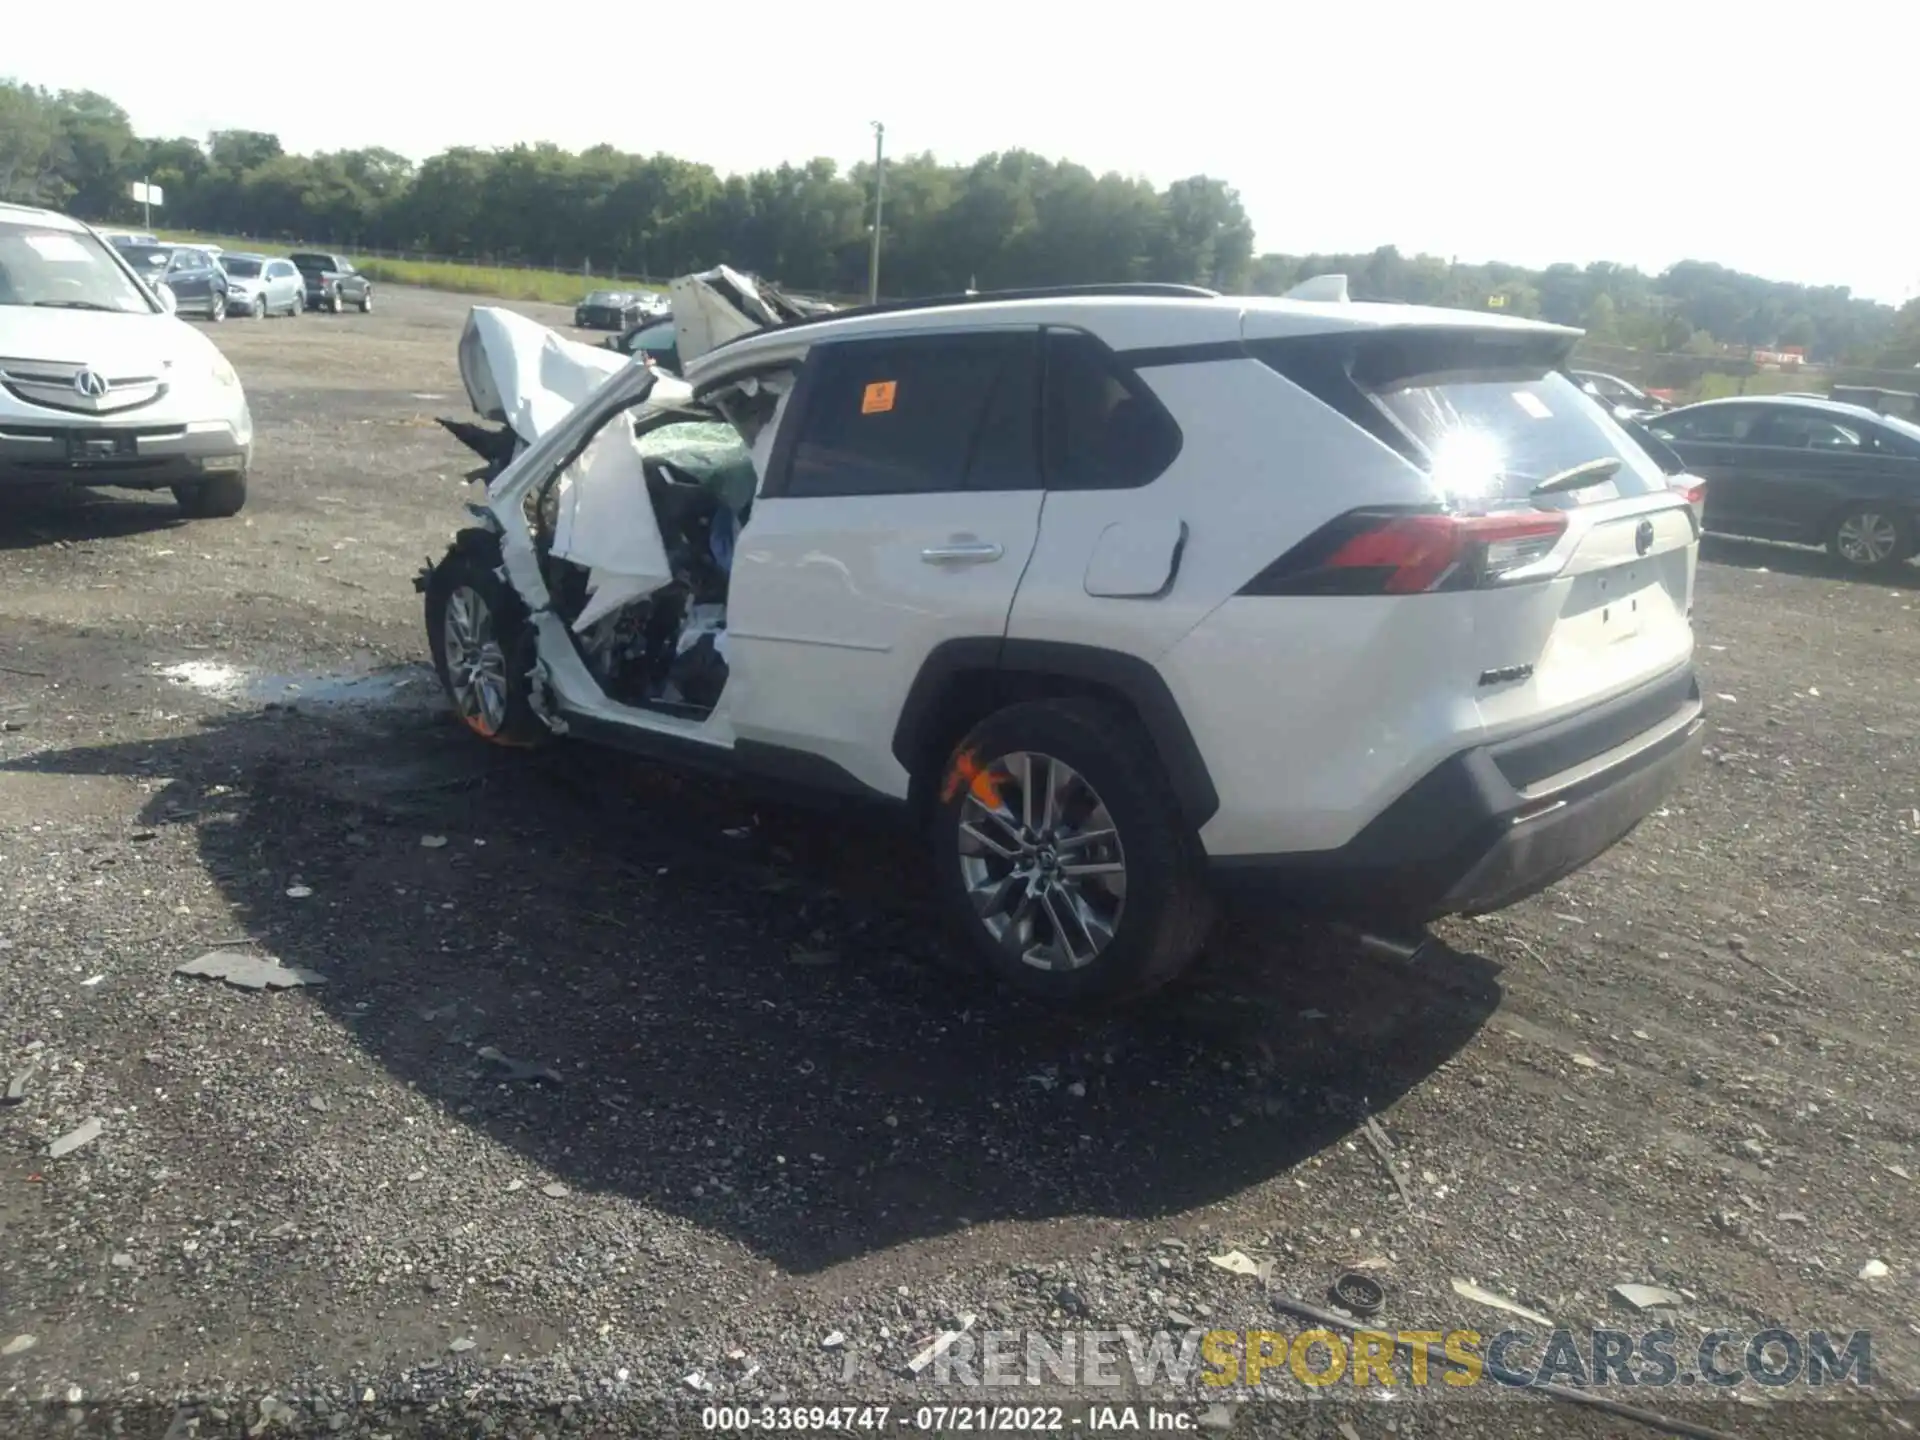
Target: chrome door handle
x,y
961,552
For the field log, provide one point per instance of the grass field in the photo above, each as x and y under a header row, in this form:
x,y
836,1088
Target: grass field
x,y
554,287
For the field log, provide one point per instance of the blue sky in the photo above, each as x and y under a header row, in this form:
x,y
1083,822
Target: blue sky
x,y
1779,142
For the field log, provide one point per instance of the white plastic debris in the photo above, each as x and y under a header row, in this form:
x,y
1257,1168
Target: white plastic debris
x,y
1237,1263
250,972
1646,1297
19,1345
835,1339
697,1381
89,1132
299,892
1469,1291
433,842
1874,1270
942,1343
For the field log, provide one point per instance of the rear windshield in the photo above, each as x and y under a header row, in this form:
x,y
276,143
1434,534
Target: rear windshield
x,y
605,297
245,269
63,270
313,262
1498,439
1489,414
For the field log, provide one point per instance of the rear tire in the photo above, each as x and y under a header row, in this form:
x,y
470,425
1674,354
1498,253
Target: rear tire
x,y
333,303
1100,898
259,307
217,308
483,643
1867,538
214,498
366,301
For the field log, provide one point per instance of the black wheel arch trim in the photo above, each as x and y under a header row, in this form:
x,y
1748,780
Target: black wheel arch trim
x,y
1135,680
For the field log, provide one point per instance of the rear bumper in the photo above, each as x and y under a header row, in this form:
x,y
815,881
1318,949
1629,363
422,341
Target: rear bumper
x,y
138,457
1492,825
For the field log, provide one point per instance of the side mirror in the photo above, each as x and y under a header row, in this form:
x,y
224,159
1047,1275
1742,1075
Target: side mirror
x,y
168,300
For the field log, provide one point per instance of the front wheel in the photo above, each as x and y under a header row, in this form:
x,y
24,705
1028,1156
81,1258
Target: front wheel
x,y
217,308
366,301
483,644
259,307
1063,857
1870,537
213,498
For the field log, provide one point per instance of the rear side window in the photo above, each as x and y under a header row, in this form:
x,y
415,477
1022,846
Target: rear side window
x,y
1802,430
919,415
1104,429
1489,414
1712,424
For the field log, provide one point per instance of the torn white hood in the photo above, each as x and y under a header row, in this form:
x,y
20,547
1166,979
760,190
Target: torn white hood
x,y
524,375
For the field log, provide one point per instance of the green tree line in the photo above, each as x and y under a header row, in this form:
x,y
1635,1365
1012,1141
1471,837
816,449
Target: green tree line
x,y
1006,219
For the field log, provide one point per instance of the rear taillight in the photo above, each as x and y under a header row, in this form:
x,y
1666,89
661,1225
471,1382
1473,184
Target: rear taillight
x,y
1398,552
1695,491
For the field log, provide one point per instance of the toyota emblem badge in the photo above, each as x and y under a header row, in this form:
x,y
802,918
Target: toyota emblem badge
x,y
91,384
1643,537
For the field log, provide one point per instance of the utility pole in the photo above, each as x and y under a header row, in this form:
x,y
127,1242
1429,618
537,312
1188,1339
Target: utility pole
x,y
879,196
146,205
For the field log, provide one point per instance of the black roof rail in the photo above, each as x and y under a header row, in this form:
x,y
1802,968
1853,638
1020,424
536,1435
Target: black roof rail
x,y
1140,290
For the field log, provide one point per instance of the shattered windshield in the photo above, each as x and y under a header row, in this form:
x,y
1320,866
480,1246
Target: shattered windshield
x,y
63,270
710,451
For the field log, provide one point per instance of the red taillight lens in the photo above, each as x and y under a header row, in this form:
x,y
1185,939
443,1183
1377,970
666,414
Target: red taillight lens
x,y
1691,486
1385,552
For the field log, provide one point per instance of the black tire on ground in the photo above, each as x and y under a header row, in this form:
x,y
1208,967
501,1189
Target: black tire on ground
x,y
1852,537
470,566
213,498
1168,908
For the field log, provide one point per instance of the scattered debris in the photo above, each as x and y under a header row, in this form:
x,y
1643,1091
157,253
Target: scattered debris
x,y
1874,1270
1898,1170
316,1102
1792,1217
1647,1297
19,1345
91,981
121,1260
696,1381
461,1346
1241,1264
74,1139
1372,1262
299,892
1467,1291
1383,1148
941,1343
554,1190
835,1339
17,1086
1357,1294
249,972
433,842
512,1069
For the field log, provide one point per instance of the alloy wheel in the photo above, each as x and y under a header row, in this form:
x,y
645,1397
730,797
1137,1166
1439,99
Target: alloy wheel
x,y
1041,860
1866,538
476,663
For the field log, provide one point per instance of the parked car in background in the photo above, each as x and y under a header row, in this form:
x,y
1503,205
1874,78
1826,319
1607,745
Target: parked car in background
x,y
198,283
1818,472
657,342
260,285
1626,399
128,237
100,384
332,283
608,310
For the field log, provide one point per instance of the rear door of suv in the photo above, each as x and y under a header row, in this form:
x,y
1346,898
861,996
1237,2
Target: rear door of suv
x,y
900,505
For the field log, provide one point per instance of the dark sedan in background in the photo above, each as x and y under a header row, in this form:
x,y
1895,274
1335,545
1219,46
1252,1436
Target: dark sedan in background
x,y
1811,471
332,283
654,342
609,310
198,283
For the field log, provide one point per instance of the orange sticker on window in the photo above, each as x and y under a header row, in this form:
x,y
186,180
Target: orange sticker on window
x,y
879,397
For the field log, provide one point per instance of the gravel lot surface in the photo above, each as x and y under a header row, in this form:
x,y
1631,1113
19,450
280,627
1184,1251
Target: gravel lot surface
x,y
766,1142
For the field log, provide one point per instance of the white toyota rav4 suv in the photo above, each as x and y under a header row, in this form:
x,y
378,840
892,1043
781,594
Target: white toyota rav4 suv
x,y
1119,593
100,384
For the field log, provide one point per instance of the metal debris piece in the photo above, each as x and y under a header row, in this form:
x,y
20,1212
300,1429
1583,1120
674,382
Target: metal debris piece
x,y
554,1190
835,1339
1357,1294
942,1343
1874,1270
1474,1293
697,1381
1646,1297
249,972
19,1345
512,1069
91,981
1383,1149
90,1132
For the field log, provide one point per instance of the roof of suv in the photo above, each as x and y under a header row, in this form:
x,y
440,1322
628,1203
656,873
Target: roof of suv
x,y
1126,316
25,214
